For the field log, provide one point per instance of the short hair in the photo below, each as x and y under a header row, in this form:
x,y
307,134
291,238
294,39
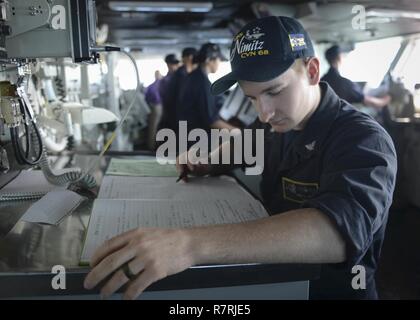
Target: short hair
x,y
189,51
332,54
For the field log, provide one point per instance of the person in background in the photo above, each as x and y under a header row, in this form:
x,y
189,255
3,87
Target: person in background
x,y
172,63
195,103
188,64
154,100
345,88
170,95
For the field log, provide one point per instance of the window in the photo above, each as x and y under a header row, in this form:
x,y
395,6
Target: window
x,y
147,67
408,66
370,61
224,68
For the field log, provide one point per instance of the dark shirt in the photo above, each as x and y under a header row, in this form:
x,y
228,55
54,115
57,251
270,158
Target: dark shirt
x,y
152,95
343,87
164,83
344,164
196,104
170,97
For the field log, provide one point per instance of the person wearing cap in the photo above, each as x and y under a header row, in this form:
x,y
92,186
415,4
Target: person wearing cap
x,y
345,88
195,104
172,63
174,84
328,180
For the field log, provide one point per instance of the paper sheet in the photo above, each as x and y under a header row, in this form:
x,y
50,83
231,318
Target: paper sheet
x,y
125,203
144,168
53,207
198,189
112,217
28,182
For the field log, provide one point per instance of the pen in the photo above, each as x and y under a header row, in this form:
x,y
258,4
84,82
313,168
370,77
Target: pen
x,y
183,175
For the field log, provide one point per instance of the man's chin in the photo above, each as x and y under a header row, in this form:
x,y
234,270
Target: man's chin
x,y
280,128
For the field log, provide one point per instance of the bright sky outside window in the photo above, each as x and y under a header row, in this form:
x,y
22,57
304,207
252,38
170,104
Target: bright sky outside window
x,y
224,68
147,67
370,60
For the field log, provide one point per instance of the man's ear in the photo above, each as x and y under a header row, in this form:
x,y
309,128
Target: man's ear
x,y
312,67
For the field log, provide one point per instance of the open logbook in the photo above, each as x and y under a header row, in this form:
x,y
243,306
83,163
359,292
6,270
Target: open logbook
x,y
125,203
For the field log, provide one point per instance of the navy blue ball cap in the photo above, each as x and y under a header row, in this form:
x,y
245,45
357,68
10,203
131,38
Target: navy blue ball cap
x,y
171,59
209,51
264,49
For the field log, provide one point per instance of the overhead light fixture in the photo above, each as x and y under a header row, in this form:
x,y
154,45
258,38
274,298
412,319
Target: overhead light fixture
x,y
148,42
160,6
379,20
395,14
226,41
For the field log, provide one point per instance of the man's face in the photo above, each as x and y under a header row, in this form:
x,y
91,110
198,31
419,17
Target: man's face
x,y
173,67
281,102
340,59
187,59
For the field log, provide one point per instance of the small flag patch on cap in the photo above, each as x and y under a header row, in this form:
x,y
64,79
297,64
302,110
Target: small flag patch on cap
x,y
297,41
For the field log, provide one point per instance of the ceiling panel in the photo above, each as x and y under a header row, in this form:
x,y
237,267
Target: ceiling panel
x,y
327,21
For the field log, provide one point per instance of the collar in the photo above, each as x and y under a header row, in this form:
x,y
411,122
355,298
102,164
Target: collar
x,y
334,70
199,71
182,71
311,138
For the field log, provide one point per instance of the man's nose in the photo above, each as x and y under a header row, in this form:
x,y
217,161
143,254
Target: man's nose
x,y
266,113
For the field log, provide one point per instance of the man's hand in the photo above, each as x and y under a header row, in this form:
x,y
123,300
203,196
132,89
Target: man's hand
x,y
151,254
189,163
377,103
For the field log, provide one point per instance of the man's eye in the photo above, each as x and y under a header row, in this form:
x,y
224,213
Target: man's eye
x,y
272,94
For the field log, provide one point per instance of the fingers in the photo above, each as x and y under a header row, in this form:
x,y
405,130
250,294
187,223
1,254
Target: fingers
x,y
190,162
111,246
136,266
148,259
181,161
107,266
185,178
181,166
198,163
184,164
145,279
119,278
117,281
193,159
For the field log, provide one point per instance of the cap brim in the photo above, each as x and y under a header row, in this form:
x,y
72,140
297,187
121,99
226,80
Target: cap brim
x,y
259,75
223,84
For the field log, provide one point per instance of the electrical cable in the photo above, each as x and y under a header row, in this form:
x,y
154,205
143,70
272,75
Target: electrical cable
x,y
37,133
13,136
96,163
86,178
70,177
23,156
